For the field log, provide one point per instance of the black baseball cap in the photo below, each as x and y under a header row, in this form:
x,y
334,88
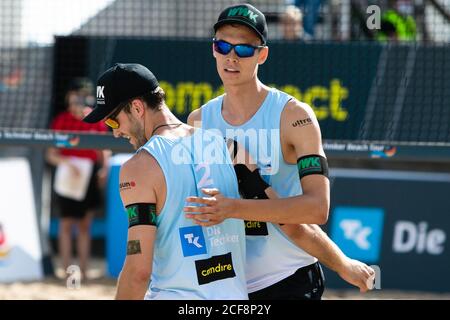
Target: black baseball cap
x,y
118,84
246,15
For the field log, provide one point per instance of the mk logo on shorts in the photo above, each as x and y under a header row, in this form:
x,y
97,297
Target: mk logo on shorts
x,y
215,268
192,241
256,228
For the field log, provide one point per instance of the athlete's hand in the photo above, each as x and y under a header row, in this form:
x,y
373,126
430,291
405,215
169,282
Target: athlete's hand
x,y
212,210
358,274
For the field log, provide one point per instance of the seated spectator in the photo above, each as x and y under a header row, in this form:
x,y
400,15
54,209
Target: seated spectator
x,y
292,23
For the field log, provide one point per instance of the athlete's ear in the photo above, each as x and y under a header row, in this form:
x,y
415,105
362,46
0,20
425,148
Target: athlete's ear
x,y
263,55
137,107
213,51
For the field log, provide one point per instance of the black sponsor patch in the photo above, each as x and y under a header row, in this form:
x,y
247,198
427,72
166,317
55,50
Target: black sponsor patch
x,y
215,268
256,228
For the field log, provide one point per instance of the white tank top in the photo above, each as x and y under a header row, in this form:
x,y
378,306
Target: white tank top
x,y
271,255
190,261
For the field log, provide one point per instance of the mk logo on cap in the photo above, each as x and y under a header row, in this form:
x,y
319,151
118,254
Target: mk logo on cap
x,y
100,95
244,12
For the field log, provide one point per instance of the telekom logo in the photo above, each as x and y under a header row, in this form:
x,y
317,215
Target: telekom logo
x,y
193,240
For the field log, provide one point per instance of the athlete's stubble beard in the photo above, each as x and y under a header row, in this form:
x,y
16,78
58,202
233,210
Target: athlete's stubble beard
x,y
137,132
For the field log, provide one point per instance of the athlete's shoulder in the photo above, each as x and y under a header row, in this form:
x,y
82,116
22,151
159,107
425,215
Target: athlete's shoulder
x,y
279,93
279,100
141,164
195,117
296,116
296,109
300,128
140,179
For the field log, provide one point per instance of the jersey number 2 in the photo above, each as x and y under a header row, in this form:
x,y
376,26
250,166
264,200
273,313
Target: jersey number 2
x,y
206,179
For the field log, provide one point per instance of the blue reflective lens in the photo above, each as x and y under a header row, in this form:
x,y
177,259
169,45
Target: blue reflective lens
x,y
242,50
222,47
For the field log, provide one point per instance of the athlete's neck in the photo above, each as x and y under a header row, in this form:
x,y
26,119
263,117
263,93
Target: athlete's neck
x,y
243,101
165,120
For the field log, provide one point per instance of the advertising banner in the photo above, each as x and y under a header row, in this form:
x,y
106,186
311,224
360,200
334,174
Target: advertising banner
x,y
20,250
397,221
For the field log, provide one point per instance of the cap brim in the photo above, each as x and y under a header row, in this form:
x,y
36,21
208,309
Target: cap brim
x,y
238,21
96,115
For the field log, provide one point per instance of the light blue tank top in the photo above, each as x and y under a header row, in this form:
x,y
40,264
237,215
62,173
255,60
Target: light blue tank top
x,y
190,261
271,255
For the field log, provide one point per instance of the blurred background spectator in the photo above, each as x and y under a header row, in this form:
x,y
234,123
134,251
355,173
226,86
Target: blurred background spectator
x,y
398,22
74,165
310,9
292,23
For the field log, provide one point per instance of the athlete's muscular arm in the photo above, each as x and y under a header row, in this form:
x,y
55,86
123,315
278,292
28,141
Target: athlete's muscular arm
x,y
300,136
311,207
313,240
138,186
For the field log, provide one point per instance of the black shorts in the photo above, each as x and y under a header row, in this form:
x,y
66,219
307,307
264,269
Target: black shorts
x,y
70,208
306,283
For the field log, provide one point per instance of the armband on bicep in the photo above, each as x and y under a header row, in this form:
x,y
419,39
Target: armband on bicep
x,y
312,164
251,184
141,214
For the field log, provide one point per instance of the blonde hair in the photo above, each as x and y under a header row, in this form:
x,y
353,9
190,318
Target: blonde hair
x,y
292,23
293,12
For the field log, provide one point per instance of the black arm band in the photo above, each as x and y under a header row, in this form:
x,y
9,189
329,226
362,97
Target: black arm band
x,y
235,149
235,146
312,164
251,184
141,214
